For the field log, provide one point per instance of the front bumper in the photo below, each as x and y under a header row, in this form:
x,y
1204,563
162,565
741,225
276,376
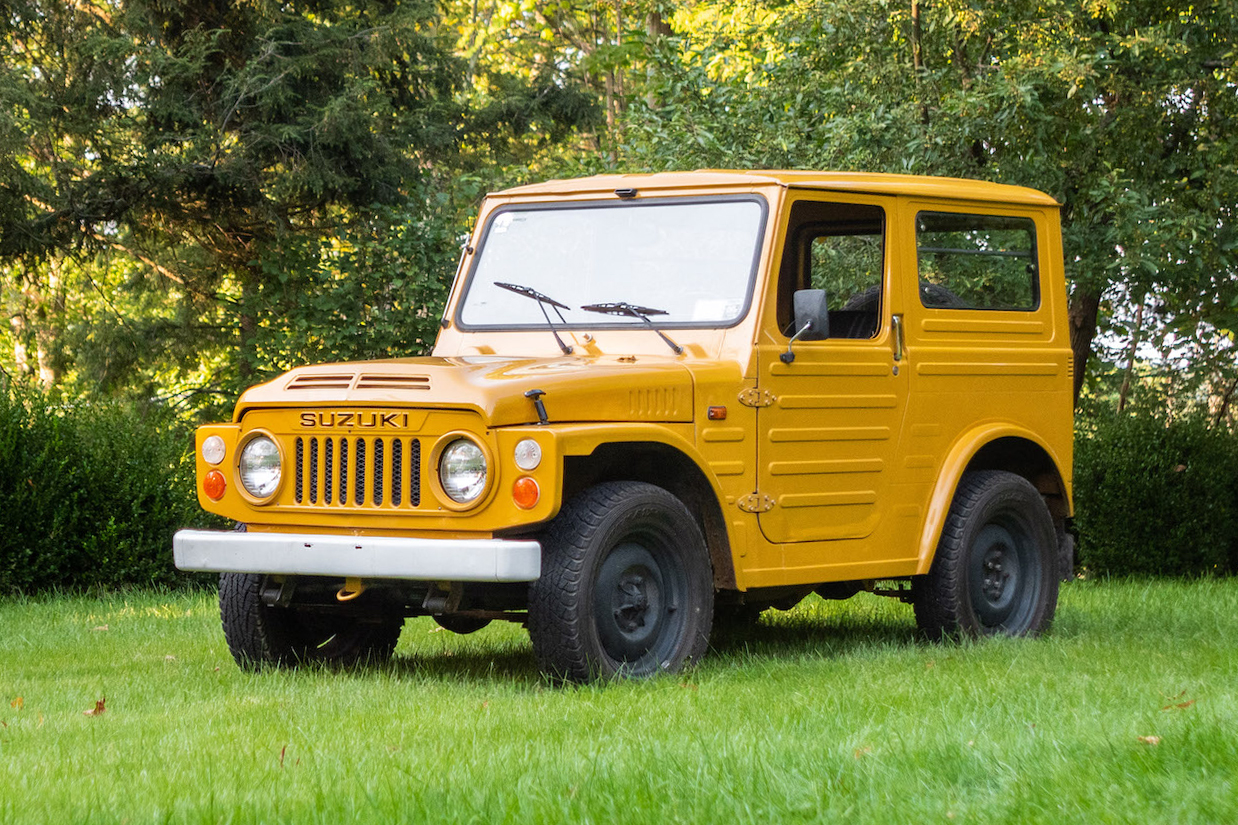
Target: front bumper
x,y
365,557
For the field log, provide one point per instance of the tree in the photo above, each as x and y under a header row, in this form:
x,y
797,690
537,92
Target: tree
x,y
248,157
1125,111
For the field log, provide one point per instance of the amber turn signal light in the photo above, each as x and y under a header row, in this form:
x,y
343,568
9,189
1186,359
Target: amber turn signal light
x,y
214,485
526,493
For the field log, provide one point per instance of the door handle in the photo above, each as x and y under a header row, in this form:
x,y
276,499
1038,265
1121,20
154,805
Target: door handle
x,y
899,343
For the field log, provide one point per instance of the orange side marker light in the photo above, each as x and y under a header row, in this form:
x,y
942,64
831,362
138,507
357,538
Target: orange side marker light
x,y
526,493
213,485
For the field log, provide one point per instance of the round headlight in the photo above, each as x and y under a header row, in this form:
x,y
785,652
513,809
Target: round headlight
x,y
528,454
259,468
462,471
213,449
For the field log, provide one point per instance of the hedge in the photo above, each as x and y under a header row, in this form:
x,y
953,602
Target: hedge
x,y
1156,497
91,494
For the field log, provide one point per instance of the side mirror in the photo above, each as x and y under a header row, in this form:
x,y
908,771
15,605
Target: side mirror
x,y
812,319
811,308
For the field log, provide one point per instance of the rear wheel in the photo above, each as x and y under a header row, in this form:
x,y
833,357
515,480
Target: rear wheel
x,y
626,588
995,572
260,635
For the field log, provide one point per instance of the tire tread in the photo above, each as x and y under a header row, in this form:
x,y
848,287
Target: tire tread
x,y
940,598
558,622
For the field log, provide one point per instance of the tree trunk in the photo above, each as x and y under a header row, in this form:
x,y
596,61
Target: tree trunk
x,y
1136,334
247,324
21,355
50,306
1083,314
917,35
1223,408
917,59
656,28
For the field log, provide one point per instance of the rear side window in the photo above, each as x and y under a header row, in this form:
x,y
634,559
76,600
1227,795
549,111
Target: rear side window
x,y
977,261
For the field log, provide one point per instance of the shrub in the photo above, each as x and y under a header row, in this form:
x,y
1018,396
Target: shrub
x,y
1156,498
90,495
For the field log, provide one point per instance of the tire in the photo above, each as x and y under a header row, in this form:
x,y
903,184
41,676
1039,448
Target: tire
x,y
995,572
626,587
260,636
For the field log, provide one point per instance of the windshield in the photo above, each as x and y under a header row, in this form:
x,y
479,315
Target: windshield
x,y
673,263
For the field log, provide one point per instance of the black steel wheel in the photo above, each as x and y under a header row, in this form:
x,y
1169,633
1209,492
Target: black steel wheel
x,y
261,636
995,572
626,588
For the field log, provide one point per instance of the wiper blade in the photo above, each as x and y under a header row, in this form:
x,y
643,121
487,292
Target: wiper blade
x,y
633,311
542,301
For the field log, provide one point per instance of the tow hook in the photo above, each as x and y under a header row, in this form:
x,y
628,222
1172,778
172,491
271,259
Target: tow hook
x,y
353,587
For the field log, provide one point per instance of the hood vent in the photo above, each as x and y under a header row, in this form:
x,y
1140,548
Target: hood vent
x,y
379,381
339,381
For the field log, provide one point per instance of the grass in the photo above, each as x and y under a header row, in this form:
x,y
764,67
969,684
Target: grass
x,y
1127,712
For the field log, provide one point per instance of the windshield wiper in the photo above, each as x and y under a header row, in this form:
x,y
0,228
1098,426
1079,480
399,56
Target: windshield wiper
x,y
542,301
643,313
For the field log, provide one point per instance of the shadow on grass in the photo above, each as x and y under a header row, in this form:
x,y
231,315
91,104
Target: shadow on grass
x,y
511,665
815,630
793,636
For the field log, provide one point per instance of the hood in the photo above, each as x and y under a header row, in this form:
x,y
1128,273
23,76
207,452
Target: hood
x,y
576,389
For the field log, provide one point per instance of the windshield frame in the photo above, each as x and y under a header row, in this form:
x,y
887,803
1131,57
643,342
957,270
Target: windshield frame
x,y
607,322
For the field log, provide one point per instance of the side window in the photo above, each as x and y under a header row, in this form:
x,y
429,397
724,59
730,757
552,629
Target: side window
x,y
977,261
839,248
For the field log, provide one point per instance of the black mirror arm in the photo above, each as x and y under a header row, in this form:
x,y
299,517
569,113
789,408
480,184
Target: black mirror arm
x,y
789,356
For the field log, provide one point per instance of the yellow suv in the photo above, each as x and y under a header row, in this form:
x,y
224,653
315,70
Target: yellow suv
x,y
658,399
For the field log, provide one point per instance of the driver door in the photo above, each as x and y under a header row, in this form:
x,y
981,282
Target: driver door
x,y
830,429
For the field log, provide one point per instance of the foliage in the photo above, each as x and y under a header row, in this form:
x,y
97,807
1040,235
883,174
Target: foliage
x,y
374,289
228,156
91,494
195,196
1124,713
199,164
1126,111
1156,496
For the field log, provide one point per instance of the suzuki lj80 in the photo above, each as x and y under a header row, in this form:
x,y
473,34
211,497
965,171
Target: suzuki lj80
x,y
659,399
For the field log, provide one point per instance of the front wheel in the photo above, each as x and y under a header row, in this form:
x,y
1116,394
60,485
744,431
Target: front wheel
x,y
995,572
261,635
626,588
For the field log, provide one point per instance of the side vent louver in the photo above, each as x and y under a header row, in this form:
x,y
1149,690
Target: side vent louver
x,y
338,381
393,382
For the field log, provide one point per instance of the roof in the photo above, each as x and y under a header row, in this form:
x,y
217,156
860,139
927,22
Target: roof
x,y
878,184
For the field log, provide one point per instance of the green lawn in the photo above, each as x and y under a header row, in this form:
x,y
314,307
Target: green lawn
x,y
1126,712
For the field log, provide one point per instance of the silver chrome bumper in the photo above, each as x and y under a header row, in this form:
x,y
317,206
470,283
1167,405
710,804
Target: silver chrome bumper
x,y
377,557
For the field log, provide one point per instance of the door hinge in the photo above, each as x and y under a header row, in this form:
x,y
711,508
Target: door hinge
x,y
756,397
755,503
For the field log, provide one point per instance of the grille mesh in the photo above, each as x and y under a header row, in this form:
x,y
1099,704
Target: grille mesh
x,y
382,471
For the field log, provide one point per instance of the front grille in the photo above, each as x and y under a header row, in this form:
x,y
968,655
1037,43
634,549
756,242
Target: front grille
x,y
359,471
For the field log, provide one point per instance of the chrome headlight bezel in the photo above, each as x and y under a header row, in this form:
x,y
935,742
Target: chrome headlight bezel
x,y
464,471
274,472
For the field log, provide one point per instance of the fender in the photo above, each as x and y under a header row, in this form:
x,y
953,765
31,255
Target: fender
x,y
588,439
584,439
955,464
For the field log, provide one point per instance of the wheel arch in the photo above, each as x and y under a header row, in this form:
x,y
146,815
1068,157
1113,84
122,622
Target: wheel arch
x,y
998,447
666,466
